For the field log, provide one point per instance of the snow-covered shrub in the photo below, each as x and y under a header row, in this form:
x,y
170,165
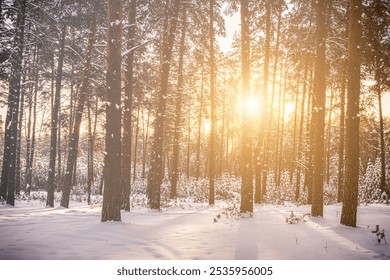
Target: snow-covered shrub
x,y
369,183
280,194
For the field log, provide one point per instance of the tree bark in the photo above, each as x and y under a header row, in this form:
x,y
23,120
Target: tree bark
x,y
318,112
156,171
300,137
212,109
178,99
75,135
265,114
350,202
111,210
54,121
8,176
246,145
128,107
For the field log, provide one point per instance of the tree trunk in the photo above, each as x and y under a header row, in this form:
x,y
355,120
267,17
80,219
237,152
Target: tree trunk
x,y
318,112
200,119
128,107
270,125
54,121
156,170
309,139
145,141
31,146
212,109
246,145
74,139
265,113
89,156
293,152
381,131
329,137
282,96
178,99
300,137
136,144
350,202
8,176
340,188
19,140
111,210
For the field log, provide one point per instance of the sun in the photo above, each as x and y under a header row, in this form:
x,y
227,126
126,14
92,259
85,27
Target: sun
x,y
250,106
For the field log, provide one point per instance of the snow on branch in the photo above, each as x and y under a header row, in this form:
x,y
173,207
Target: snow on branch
x,y
135,47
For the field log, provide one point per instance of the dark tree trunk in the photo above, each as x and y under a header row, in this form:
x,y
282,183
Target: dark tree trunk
x,y
300,137
212,109
282,96
145,142
293,152
75,135
128,108
270,124
112,201
8,176
19,141
156,171
309,140
340,188
350,202
246,145
31,128
178,99
54,121
318,112
136,144
200,119
265,113
329,137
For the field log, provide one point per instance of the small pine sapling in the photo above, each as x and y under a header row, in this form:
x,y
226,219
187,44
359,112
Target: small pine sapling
x,y
380,234
293,219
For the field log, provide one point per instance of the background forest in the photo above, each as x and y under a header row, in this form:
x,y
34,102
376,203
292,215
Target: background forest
x,y
138,100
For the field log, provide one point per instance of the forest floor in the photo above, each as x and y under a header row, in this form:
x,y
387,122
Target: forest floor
x,y
190,231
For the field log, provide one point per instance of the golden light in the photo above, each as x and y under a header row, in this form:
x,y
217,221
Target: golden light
x,y
250,105
288,110
207,126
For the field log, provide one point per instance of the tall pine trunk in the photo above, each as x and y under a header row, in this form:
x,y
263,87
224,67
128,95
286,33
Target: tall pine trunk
x,y
212,109
246,145
75,135
156,171
128,108
350,202
179,92
54,121
318,112
111,210
265,113
8,175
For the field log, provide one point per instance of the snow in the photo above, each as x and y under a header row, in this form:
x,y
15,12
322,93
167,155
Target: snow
x,y
189,231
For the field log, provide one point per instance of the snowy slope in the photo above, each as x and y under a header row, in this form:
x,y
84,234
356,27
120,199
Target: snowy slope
x,y
189,232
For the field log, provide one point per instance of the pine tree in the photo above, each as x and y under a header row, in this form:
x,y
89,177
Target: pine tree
x,y
8,176
246,146
156,171
350,201
128,104
212,109
111,210
75,135
318,112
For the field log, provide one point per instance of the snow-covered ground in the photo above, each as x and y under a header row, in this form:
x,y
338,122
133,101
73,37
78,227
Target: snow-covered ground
x,y
189,232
